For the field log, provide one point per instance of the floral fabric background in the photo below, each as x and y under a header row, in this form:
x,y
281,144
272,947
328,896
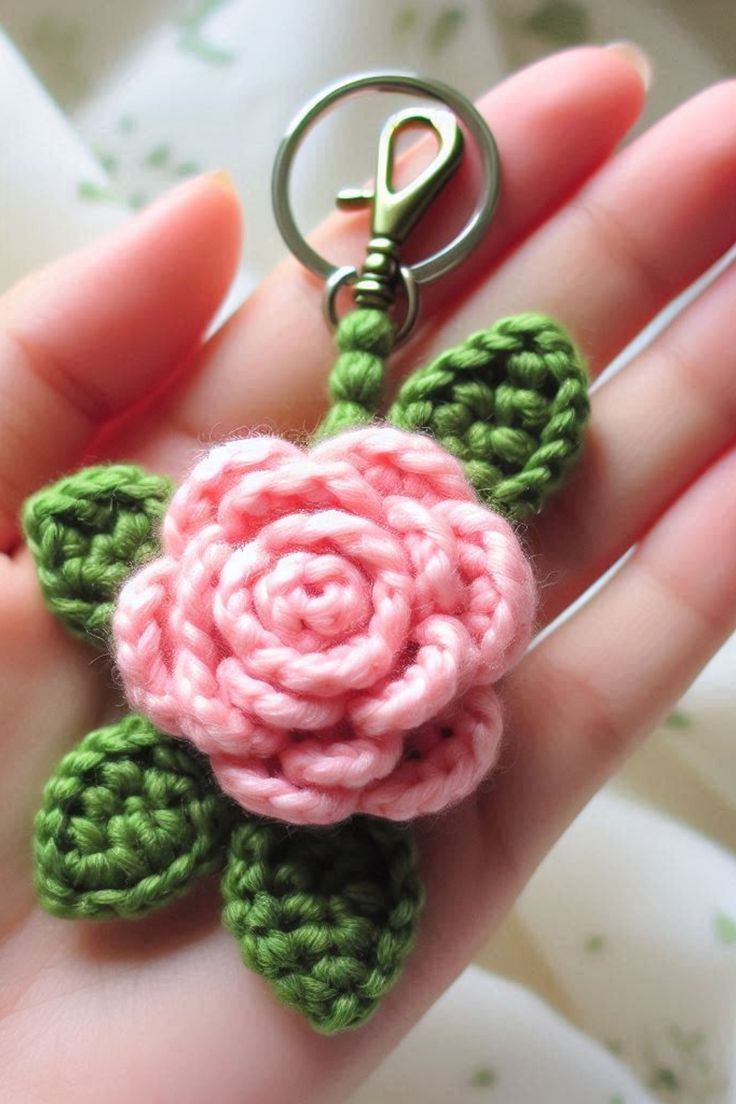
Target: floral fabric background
x,y
614,980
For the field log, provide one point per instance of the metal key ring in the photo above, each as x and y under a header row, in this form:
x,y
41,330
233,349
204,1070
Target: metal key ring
x,y
438,263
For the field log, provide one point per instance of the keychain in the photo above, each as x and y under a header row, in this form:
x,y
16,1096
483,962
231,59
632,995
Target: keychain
x,y
310,638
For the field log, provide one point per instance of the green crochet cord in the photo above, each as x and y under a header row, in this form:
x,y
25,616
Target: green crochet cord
x,y
511,402
365,337
130,818
327,917
87,533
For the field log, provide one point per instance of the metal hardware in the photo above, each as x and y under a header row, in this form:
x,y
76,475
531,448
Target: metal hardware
x,y
348,276
395,212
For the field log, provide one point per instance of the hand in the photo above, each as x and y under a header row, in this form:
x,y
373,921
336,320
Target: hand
x,y
161,1009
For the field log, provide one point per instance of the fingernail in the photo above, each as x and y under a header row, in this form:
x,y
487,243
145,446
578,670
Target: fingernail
x,y
636,57
223,179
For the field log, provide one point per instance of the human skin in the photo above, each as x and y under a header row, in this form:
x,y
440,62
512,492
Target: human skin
x,y
102,354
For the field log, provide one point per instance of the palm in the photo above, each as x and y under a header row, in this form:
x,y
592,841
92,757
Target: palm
x,y
160,1009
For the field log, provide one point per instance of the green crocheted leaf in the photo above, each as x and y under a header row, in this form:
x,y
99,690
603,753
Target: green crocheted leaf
x,y
130,818
511,402
87,533
327,916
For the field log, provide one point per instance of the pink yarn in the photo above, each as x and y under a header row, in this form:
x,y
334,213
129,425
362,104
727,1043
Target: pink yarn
x,y
328,625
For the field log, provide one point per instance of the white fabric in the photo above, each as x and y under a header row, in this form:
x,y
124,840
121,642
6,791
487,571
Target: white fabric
x,y
628,931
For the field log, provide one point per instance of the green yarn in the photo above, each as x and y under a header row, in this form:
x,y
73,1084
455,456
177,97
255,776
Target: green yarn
x,y
129,820
327,916
87,533
365,338
511,402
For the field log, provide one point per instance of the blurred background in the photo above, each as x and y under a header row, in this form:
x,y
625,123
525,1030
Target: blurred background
x,y
614,980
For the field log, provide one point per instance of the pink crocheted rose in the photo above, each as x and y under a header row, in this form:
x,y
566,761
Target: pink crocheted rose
x,y
328,625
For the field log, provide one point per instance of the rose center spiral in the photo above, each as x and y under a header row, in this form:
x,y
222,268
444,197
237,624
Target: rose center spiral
x,y
310,600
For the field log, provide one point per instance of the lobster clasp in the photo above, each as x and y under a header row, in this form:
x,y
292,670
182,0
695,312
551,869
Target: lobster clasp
x,y
395,211
384,275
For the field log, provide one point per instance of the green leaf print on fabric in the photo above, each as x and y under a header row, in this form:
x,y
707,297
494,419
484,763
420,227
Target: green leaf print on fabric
x,y
108,160
678,720
678,1067
665,1078
127,124
97,193
445,28
187,168
725,928
440,32
162,164
406,20
560,22
483,1078
158,157
193,40
596,943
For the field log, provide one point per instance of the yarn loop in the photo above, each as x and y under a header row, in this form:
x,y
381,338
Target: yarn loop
x,y
326,917
87,533
511,403
129,820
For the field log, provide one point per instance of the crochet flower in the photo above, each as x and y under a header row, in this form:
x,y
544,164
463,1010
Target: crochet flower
x,y
328,625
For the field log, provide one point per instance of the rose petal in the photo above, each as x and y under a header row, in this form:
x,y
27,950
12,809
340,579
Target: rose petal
x,y
445,660
432,549
253,785
339,760
143,646
394,462
196,503
298,487
273,707
501,602
444,761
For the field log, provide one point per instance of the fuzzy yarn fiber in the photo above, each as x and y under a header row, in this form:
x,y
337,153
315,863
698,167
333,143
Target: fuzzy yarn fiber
x,y
511,403
328,625
87,533
327,917
129,819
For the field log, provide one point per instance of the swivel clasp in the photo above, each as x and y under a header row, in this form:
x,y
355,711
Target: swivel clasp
x,y
396,210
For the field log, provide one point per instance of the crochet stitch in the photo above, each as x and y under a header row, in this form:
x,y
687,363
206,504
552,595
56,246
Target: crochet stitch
x,y
328,626
326,917
129,820
365,338
87,533
511,402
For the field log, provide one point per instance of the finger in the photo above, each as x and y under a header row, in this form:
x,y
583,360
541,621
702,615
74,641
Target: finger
x,y
639,232
588,693
93,333
655,427
555,123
